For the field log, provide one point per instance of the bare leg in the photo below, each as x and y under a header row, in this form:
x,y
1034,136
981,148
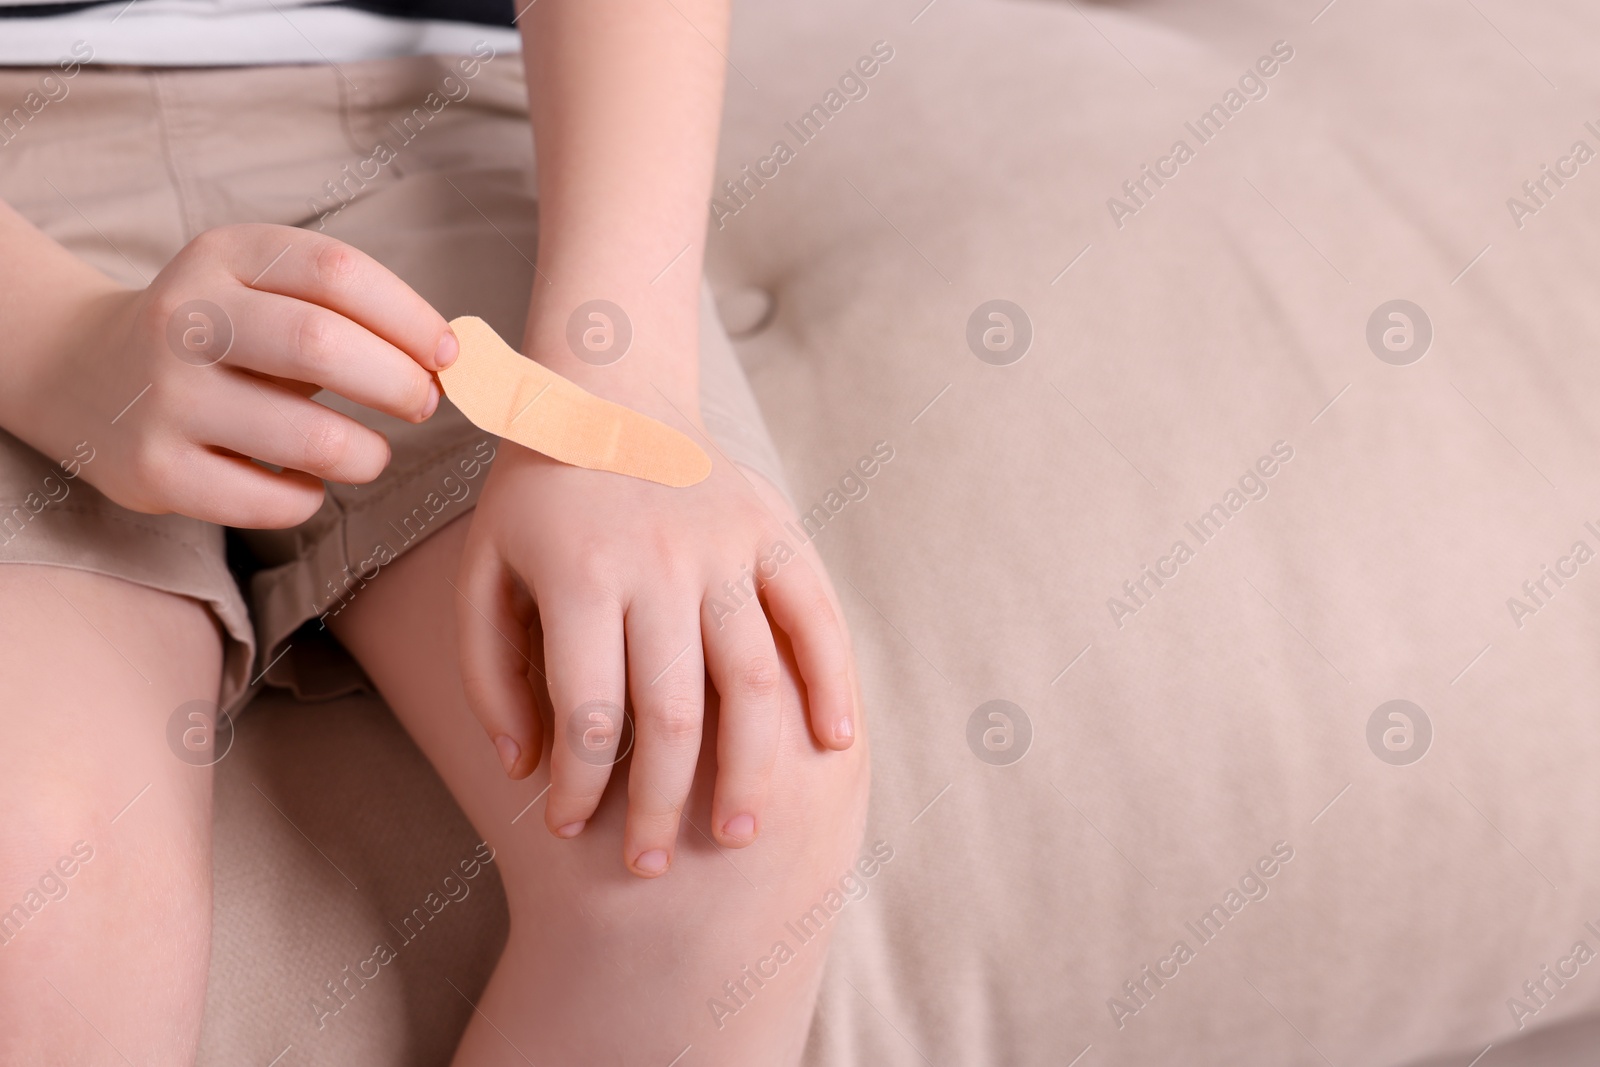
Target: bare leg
x,y
602,966
105,964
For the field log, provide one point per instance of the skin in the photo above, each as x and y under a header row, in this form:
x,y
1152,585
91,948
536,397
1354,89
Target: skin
x,y
569,587
324,316
616,563
93,668
601,965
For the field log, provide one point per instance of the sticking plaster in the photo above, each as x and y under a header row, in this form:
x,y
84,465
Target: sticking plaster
x,y
507,394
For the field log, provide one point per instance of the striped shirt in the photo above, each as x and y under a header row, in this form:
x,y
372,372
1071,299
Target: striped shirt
x,y
214,33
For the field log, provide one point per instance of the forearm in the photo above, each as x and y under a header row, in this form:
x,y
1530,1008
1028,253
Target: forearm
x,y
46,294
626,99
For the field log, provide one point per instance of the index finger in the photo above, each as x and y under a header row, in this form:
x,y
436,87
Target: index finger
x,y
321,270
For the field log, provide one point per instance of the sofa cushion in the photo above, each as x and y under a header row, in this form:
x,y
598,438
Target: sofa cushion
x,y
1195,746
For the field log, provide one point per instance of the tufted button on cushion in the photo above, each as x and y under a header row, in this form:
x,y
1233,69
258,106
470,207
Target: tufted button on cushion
x,y
746,310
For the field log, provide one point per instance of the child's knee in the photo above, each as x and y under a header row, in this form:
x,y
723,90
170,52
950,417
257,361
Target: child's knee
x,y
83,899
724,951
42,868
73,857
731,902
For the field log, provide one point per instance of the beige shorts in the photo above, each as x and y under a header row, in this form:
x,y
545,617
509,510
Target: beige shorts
x,y
125,166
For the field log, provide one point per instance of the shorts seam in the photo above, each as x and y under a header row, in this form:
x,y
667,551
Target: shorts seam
x,y
347,107
182,187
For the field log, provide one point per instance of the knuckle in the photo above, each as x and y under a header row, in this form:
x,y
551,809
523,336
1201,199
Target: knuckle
x,y
336,263
653,809
591,574
756,676
816,607
315,343
328,444
208,244
675,720
657,550
666,555
163,472
336,266
162,304
164,318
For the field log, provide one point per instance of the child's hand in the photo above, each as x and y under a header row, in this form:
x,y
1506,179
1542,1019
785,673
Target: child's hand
x,y
178,386
628,578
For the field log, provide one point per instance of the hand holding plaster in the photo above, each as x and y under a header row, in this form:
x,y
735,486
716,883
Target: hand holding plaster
x,y
179,386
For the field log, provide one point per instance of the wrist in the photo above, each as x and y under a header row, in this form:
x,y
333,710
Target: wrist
x,y
43,389
640,350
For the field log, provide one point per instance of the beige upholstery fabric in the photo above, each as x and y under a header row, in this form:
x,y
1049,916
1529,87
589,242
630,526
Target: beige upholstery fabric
x,y
1229,712
332,826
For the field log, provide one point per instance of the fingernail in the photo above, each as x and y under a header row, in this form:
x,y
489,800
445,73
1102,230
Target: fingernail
x,y
432,404
740,827
844,729
652,862
572,829
509,751
449,348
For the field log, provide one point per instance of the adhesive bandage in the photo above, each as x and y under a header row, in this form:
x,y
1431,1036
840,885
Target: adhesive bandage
x,y
507,394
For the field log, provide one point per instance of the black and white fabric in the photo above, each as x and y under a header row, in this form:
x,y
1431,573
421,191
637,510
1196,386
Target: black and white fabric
x,y
193,33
